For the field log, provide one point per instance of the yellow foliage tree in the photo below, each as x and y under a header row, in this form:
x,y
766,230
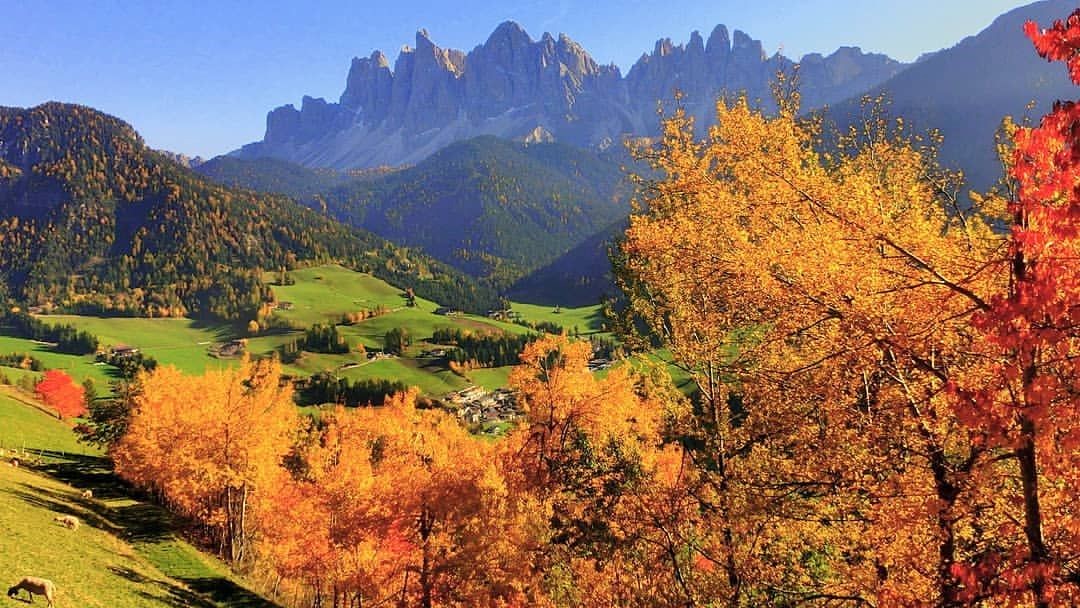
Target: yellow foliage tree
x,y
397,504
210,445
821,302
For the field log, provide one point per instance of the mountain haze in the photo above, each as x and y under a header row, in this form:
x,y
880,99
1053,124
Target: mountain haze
x,y
492,208
966,90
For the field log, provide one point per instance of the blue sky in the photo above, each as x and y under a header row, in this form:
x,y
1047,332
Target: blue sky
x,y
198,76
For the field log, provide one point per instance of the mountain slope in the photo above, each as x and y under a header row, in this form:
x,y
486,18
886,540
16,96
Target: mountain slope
x,y
514,87
93,220
579,277
492,208
966,90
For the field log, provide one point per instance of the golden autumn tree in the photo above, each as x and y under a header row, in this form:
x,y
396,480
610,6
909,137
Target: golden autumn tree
x,y
606,502
210,445
396,505
822,302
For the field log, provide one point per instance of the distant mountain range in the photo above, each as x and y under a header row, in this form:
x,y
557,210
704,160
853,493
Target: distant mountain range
x,y
550,89
93,220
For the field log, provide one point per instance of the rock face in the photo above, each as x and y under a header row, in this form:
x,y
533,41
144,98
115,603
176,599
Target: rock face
x,y
549,89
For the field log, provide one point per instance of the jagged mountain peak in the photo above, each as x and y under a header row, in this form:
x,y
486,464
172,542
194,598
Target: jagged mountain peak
x,y
719,41
511,85
511,30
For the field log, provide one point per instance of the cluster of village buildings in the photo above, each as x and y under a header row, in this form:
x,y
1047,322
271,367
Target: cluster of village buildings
x,y
477,405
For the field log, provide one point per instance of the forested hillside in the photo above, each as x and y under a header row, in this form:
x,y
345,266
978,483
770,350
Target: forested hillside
x,y
492,208
93,220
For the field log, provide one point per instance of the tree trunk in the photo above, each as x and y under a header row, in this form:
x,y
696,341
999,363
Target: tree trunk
x,y
1029,477
427,524
720,422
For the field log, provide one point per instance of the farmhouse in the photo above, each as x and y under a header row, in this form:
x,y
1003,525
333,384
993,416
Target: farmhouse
x,y
123,350
233,348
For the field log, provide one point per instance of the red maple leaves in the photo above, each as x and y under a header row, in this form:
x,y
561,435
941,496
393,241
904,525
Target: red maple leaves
x,y
1059,43
61,393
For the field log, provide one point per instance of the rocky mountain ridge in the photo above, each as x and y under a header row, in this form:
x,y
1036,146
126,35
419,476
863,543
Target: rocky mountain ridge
x,y
550,89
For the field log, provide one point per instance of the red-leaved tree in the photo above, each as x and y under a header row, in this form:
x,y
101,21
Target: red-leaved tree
x,y
61,393
1027,404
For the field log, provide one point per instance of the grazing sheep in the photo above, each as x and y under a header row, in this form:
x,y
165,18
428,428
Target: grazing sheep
x,y
68,521
32,585
87,494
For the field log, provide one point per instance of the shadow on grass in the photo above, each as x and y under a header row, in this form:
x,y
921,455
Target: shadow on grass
x,y
227,593
176,596
138,522
60,504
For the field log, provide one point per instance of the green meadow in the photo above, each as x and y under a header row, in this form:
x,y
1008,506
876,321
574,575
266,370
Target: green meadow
x,y
587,319
126,553
319,294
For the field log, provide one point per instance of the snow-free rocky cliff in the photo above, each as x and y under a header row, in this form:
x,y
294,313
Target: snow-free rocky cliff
x,y
549,89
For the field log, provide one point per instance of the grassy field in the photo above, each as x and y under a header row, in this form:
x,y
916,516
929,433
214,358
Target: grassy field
x,y
78,367
323,293
179,342
125,555
490,378
433,380
27,429
14,375
587,319
319,294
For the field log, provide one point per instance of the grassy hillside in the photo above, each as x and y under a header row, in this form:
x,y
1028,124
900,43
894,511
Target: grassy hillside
x,y
320,294
78,367
587,319
179,342
125,554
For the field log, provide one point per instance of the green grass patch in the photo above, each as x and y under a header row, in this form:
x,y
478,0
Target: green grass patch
x,y
24,427
431,378
324,293
587,319
91,566
79,367
320,294
126,553
491,378
182,343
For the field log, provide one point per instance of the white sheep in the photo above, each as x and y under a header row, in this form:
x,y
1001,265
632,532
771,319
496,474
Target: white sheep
x,y
68,521
32,585
87,494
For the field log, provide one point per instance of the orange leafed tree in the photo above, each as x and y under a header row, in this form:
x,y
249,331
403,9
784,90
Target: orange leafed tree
x,y
60,392
396,505
210,445
611,516
821,301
